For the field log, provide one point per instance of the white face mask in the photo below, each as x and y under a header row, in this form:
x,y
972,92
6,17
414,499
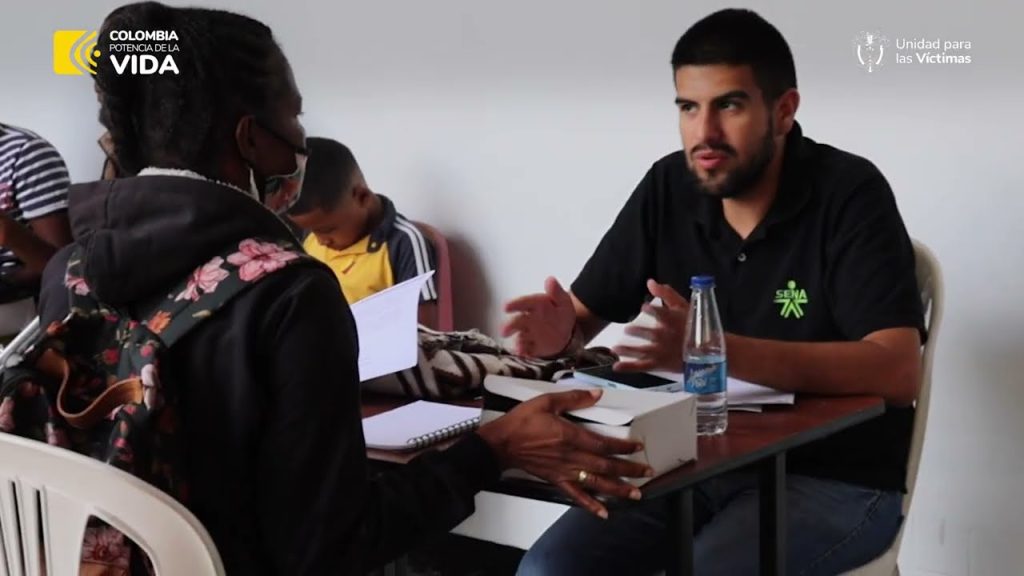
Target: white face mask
x,y
280,191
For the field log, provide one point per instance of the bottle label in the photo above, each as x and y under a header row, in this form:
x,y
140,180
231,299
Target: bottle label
x,y
704,377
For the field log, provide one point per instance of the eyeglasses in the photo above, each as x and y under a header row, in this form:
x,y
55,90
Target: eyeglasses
x,y
283,190
302,150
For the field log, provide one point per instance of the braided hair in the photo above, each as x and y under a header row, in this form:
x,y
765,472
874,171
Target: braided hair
x,y
229,66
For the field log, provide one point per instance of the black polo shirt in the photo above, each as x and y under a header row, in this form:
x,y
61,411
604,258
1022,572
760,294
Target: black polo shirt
x,y
831,261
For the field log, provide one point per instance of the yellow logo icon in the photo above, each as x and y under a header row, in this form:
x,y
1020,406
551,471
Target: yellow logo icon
x,y
75,52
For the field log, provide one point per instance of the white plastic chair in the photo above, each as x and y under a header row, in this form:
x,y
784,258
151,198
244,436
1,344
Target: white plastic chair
x,y
69,488
14,316
929,281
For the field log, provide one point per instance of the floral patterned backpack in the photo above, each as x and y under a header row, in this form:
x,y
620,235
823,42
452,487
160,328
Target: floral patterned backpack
x,y
91,383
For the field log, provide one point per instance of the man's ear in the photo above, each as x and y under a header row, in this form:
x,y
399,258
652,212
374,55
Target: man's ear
x,y
361,194
785,112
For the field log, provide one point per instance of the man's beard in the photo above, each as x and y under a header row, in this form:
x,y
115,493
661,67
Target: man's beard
x,y
741,180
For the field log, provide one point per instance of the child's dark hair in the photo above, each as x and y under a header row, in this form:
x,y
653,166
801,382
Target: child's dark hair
x,y
330,173
739,37
229,65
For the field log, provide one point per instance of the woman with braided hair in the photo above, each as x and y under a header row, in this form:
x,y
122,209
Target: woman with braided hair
x,y
273,449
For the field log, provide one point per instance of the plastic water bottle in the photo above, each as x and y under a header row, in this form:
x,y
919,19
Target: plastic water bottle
x,y
704,358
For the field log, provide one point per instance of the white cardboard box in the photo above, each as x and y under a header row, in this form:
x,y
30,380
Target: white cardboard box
x,y
665,423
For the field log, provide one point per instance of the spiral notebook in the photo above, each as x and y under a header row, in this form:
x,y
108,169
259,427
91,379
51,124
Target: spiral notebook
x,y
418,425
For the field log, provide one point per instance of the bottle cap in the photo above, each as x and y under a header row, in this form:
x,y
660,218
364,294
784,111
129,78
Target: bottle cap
x,y
702,282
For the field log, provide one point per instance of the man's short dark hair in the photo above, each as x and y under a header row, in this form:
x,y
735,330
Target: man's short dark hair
x,y
739,37
331,171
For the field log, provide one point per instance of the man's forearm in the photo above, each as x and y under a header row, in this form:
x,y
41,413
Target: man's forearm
x,y
588,325
830,368
589,328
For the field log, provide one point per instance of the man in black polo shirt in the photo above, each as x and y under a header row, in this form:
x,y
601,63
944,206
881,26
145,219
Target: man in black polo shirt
x,y
816,286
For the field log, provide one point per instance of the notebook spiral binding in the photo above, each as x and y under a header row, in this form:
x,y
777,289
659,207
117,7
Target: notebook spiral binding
x,y
443,434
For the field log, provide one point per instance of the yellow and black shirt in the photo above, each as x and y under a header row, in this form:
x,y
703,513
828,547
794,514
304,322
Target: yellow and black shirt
x,y
393,252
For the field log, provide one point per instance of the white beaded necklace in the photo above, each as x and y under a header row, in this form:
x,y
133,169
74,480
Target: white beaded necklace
x,y
155,171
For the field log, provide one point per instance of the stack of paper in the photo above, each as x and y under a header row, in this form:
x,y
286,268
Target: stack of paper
x,y
743,395
751,397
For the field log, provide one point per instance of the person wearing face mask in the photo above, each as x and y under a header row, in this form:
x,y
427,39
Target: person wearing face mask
x,y
274,455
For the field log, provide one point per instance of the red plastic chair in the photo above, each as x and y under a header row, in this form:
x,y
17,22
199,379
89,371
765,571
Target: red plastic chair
x,y
445,321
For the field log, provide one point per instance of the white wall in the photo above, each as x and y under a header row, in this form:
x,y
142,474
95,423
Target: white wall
x,y
520,128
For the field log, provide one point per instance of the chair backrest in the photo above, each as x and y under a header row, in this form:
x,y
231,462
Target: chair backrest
x,y
52,492
929,281
442,277
14,316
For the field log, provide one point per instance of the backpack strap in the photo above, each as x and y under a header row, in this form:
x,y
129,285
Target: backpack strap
x,y
79,294
214,284
171,317
127,391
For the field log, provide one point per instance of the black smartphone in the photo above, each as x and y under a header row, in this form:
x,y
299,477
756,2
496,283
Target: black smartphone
x,y
607,377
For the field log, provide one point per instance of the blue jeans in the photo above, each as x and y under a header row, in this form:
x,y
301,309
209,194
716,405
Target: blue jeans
x,y
832,527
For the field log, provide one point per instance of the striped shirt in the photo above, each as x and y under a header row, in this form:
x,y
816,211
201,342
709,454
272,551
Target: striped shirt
x,y
33,180
412,255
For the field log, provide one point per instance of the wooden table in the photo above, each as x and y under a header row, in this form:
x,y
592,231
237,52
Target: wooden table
x,y
762,439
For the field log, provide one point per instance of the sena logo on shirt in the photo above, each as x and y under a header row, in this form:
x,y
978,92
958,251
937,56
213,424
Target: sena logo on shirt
x,y
792,299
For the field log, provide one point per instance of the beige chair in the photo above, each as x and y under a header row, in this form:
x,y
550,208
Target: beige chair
x,y
929,281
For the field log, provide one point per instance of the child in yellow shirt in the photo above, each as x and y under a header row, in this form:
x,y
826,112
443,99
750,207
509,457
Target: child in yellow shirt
x,y
356,232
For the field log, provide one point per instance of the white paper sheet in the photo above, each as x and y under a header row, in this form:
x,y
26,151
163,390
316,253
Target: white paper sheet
x,y
743,394
386,323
